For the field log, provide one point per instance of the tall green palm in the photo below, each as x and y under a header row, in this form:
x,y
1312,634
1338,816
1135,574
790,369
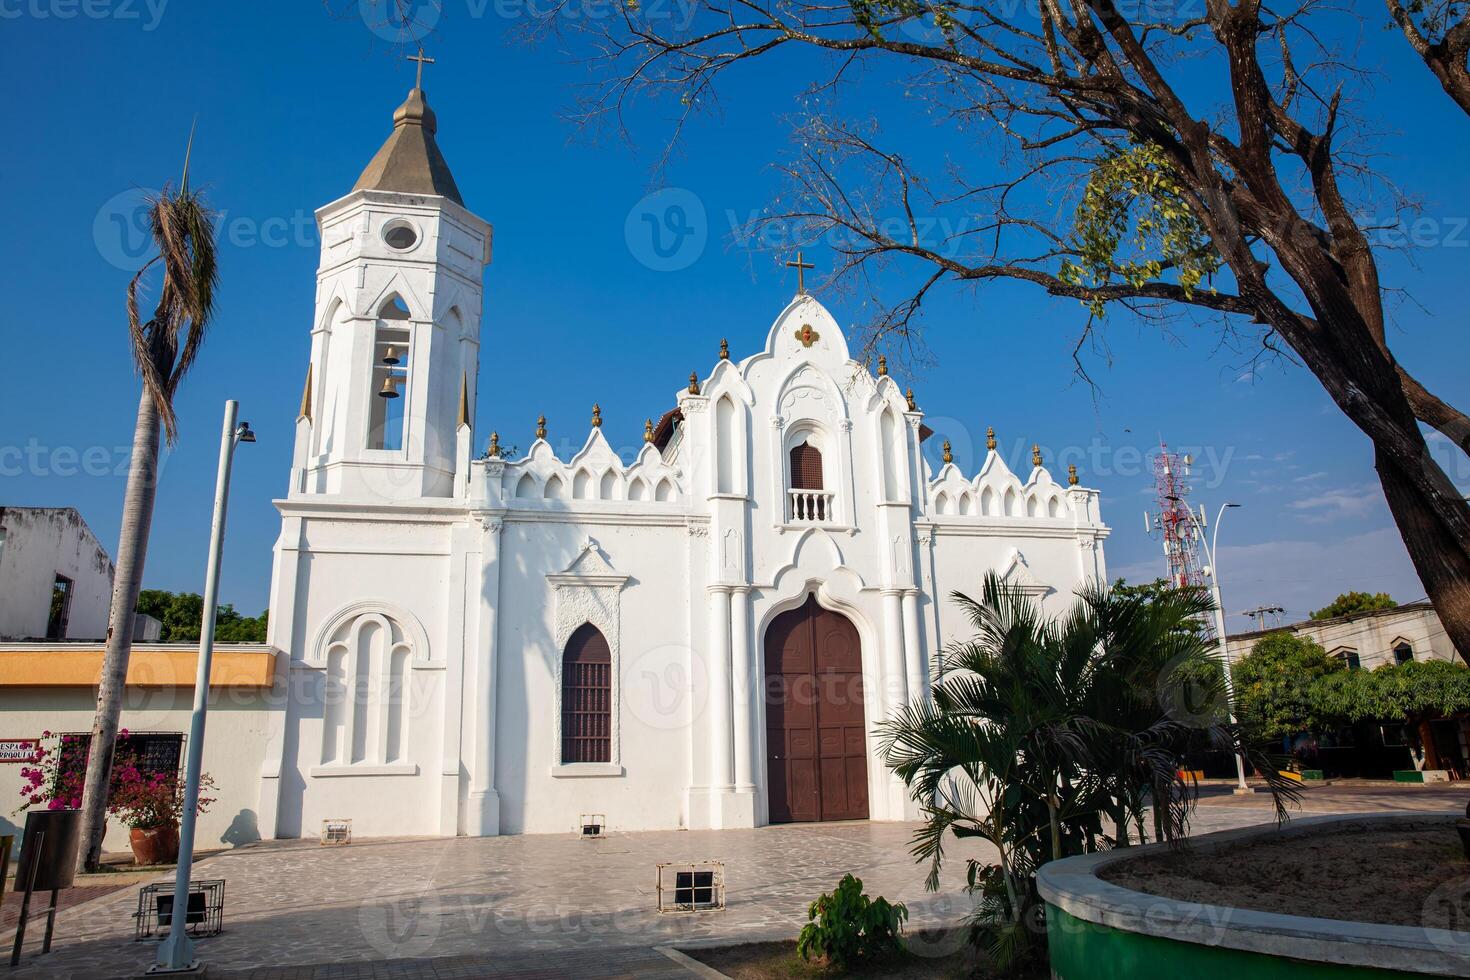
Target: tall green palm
x,y
1038,728
164,348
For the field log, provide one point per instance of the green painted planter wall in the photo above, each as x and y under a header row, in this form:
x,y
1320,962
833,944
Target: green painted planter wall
x,y
1086,951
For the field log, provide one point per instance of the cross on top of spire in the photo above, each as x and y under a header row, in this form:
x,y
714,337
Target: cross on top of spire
x,y
800,267
422,60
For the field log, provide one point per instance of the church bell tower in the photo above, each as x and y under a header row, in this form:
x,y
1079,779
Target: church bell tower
x,y
389,396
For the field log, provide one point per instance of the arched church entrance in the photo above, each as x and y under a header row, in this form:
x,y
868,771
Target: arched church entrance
x,y
816,740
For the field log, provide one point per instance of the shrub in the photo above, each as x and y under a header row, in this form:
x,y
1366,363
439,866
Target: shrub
x,y
847,926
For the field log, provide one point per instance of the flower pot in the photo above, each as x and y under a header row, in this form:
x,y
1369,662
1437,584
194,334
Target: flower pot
x,y
155,845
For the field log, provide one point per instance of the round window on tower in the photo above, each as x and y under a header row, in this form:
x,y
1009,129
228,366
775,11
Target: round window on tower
x,y
400,235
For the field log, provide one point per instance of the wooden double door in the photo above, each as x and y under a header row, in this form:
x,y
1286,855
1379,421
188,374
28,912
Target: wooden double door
x,y
816,739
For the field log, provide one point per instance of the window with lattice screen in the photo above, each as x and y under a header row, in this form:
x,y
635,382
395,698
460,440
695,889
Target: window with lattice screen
x,y
806,467
586,698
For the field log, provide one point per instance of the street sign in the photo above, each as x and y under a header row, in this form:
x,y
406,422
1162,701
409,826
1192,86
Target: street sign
x,y
20,750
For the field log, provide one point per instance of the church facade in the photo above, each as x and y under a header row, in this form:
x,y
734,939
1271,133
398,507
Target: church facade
x,y
706,635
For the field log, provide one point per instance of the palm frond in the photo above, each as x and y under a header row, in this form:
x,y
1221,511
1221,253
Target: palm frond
x,y
166,345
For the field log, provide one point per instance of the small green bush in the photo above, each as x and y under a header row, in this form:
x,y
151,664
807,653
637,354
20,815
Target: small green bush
x,y
847,926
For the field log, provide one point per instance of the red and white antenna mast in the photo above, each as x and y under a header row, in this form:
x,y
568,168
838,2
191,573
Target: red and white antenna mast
x,y
1175,522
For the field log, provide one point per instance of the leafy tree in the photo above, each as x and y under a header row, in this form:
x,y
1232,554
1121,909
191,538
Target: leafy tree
x,y
231,627
1414,693
1355,602
1050,737
164,347
1160,588
182,616
1420,690
1210,164
1274,685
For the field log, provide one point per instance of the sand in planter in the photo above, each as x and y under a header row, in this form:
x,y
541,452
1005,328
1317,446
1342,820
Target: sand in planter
x,y
1357,874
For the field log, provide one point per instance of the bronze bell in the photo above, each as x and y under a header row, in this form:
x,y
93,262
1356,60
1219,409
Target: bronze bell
x,y
391,356
389,390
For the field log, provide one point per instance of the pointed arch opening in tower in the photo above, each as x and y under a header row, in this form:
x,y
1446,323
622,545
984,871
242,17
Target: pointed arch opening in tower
x,y
388,415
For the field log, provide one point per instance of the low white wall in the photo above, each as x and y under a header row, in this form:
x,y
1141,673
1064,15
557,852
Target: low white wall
x,y
234,745
39,544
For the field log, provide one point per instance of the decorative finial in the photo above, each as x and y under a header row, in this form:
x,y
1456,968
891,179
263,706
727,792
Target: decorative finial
x,y
990,437
909,394
648,430
693,382
724,349
494,451
948,457
541,427
596,416
882,366
1035,454
305,412
1071,474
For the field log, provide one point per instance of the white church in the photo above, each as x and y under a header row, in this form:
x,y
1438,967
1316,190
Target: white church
x,y
705,636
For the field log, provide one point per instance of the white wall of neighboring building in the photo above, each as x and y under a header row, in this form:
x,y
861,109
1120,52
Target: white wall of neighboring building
x,y
36,545
234,747
1371,635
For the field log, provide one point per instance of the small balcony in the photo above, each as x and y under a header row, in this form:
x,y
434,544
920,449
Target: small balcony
x,y
810,506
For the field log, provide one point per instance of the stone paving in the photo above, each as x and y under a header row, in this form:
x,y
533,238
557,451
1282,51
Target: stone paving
x,y
551,905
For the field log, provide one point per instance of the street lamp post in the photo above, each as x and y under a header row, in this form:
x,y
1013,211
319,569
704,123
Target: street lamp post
x,y
1213,555
176,953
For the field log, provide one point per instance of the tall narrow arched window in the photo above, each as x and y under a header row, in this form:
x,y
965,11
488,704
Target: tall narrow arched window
x,y
889,427
586,697
390,376
725,445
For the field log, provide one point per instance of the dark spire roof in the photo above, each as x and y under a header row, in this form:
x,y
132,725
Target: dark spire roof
x,y
410,161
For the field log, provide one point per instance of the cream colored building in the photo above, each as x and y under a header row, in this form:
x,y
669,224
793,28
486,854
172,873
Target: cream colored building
x,y
1367,639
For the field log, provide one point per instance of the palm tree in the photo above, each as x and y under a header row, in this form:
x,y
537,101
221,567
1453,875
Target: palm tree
x,y
164,348
1040,728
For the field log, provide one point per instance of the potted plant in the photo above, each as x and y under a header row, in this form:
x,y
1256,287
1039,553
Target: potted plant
x,y
149,804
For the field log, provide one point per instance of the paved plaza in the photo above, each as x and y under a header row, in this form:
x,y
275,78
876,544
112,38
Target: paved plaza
x,y
555,906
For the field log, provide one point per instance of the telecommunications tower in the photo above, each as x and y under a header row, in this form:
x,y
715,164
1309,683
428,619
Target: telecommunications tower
x,y
1175,521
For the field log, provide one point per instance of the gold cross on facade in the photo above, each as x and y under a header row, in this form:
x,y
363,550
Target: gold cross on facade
x,y
423,60
800,268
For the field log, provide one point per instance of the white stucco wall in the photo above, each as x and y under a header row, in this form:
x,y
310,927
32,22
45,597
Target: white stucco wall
x,y
646,625
38,544
235,742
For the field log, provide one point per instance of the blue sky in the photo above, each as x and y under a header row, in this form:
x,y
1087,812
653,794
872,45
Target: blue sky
x,y
294,100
